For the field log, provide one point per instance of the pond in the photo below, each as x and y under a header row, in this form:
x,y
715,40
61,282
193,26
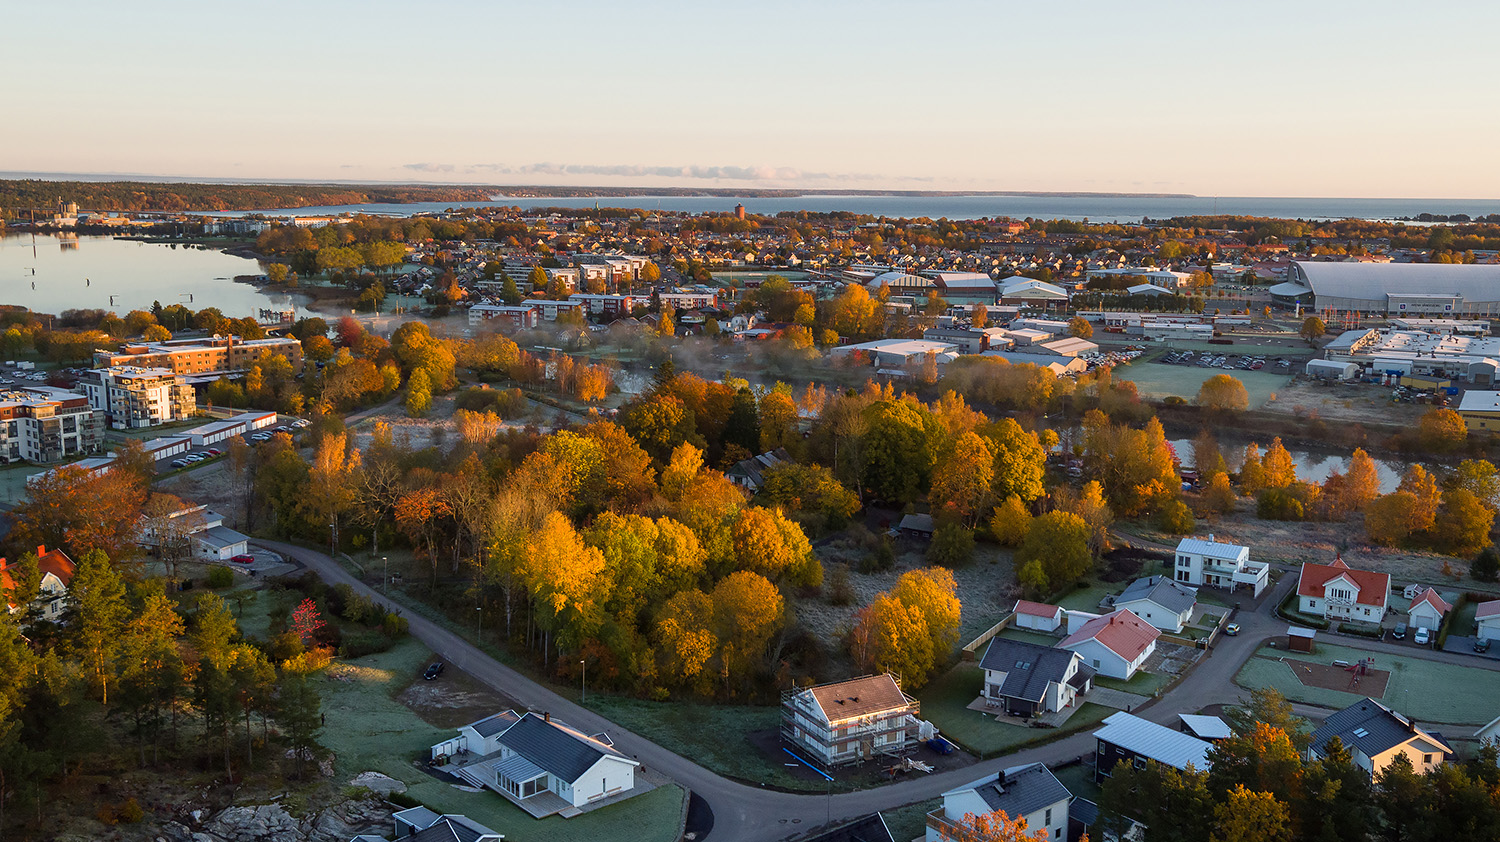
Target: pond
x,y
1311,466
52,273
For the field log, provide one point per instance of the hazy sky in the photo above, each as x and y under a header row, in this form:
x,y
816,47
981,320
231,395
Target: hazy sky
x,y
1269,98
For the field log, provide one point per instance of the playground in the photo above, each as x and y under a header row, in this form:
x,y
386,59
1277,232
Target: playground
x,y
1359,677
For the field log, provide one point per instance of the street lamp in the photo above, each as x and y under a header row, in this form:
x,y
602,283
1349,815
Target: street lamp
x,y
479,610
385,583
585,697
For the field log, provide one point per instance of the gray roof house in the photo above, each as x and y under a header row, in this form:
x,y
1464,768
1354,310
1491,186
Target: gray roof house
x,y
1375,734
1161,602
543,766
1028,679
1031,792
419,824
751,473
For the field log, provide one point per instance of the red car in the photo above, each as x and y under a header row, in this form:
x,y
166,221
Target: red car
x,y
244,559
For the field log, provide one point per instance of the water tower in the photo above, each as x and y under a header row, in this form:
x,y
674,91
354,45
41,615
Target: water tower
x,y
739,211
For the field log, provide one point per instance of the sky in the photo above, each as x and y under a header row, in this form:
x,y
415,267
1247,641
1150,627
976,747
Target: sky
x,y
1273,98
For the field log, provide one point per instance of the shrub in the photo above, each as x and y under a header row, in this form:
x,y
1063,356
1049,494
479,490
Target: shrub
x,y
394,626
952,545
130,811
1175,518
362,642
840,588
1486,566
220,577
1278,504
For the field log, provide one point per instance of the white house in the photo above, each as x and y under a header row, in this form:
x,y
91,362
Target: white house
x,y
419,824
1375,734
1487,616
545,767
1427,611
1115,644
1218,565
1029,679
1338,593
1028,792
1163,603
848,721
201,526
1038,616
52,594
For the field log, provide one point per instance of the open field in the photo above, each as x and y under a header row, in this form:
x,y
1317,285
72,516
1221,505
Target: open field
x,y
1142,683
369,730
1160,380
1358,403
909,822
944,704
1422,689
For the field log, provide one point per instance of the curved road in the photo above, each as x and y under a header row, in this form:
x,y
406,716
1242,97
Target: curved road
x,y
745,813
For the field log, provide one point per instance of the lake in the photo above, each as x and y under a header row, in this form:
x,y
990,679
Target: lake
x,y
66,273
1311,467
1095,208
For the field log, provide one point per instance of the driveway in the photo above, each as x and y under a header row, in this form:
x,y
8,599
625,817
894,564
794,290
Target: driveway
x,y
745,813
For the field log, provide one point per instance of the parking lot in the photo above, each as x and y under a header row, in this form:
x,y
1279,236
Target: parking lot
x,y
211,452
1227,362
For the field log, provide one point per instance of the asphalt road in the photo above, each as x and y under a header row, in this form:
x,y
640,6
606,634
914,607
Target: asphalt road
x,y
744,813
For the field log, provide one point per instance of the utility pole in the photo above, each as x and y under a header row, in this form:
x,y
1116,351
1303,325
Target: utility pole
x,y
385,583
585,695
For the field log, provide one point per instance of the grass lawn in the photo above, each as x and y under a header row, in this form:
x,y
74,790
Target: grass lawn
x,y
1048,640
1142,683
1426,690
1085,599
909,822
1160,380
367,729
1079,779
944,703
716,736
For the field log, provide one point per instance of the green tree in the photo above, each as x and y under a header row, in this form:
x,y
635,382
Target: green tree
x,y
98,617
1486,565
952,545
897,453
1267,706
1020,461
418,394
1480,478
1055,552
299,713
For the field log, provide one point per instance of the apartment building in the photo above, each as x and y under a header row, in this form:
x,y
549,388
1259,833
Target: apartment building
x,y
210,355
132,397
43,424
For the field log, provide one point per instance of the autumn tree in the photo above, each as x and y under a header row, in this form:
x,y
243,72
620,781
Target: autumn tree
x,y
1249,816
963,479
566,580
1279,469
765,542
911,629
1055,551
1423,487
1480,478
1362,482
778,421
1252,473
994,826
1392,518
1020,461
1462,525
1089,504
1218,496
1208,459
809,493
1441,430
685,638
1313,329
1079,326
71,508
1223,393
747,613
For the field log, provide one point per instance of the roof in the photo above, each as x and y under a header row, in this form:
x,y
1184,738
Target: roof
x,y
451,828
220,537
871,828
1018,285
1121,632
1029,667
417,816
1173,596
963,280
1487,610
1084,811
1071,346
517,768
495,724
1210,548
1298,631
859,697
1372,728
1475,281
1018,790
1155,742
1147,289
55,562
755,467
1036,609
556,748
916,522
1205,727
1373,587
1476,400
1431,597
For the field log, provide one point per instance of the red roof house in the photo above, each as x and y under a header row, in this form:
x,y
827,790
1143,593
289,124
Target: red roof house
x,y
1339,593
1115,644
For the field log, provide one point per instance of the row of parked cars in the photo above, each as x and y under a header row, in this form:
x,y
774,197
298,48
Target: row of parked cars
x,y
1242,362
258,437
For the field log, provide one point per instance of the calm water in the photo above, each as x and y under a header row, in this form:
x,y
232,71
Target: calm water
x,y
1096,208
109,274
1311,467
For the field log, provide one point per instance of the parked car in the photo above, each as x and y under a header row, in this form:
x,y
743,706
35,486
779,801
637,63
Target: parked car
x,y
214,451
1399,632
433,671
195,457
243,558
1232,629
1422,637
1481,645
180,463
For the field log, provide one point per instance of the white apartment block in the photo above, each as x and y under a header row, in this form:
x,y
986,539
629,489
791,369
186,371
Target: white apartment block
x,y
43,424
132,396
1217,565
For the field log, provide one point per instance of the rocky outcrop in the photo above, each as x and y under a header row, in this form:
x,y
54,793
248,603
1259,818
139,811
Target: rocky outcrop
x,y
272,823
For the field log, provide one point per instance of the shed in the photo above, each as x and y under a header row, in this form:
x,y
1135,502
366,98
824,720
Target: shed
x,y
1299,639
916,526
1331,370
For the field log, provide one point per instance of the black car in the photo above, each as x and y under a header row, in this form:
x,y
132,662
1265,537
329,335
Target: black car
x,y
433,671
1481,645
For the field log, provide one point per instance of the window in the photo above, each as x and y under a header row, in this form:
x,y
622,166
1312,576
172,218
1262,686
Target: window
x,y
1101,748
1426,759
1047,817
1140,763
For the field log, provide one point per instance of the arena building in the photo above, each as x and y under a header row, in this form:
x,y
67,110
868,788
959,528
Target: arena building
x,y
1441,290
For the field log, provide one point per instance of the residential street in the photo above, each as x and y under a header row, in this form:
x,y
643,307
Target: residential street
x,y
746,813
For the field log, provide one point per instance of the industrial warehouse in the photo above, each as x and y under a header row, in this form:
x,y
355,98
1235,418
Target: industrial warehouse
x,y
1443,290
1471,359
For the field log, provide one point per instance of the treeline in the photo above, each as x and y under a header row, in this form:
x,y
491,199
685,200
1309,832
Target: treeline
x,y
19,195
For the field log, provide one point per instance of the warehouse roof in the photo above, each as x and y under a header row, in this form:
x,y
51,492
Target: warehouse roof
x,y
1473,281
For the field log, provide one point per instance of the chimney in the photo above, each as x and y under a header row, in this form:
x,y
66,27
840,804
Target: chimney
x,y
546,716
41,550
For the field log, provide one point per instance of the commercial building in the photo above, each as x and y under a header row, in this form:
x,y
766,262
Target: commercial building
x,y
899,352
132,397
1480,411
1443,290
43,424
965,287
688,300
213,355
1471,359
552,308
